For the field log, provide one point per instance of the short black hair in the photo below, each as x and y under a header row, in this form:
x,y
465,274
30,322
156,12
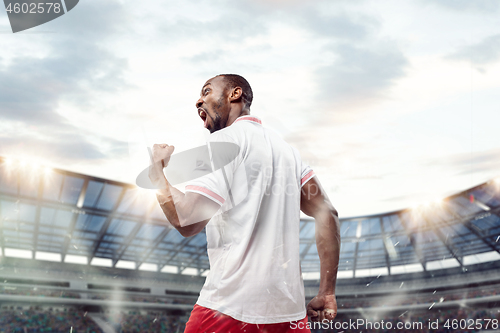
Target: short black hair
x,y
235,80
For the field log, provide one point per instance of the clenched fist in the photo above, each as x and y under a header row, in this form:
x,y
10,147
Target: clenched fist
x,y
322,307
160,156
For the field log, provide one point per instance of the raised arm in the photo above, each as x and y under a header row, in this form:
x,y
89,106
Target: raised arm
x,y
188,213
315,203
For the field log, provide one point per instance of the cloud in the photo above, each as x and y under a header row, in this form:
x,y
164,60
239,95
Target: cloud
x,y
31,89
96,22
466,5
235,22
226,28
338,26
363,67
485,52
27,95
206,57
360,73
487,162
224,34
76,67
64,145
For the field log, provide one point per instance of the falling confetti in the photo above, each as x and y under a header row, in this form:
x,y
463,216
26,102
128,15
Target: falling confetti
x,y
430,307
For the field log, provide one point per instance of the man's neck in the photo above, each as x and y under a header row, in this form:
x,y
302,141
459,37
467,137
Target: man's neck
x,y
235,115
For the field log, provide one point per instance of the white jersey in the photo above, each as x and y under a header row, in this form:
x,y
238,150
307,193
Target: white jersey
x,y
253,241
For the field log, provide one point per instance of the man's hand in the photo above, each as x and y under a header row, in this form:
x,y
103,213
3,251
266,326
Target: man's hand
x,y
322,307
160,156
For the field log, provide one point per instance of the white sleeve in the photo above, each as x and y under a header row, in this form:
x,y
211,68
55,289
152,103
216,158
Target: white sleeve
x,y
306,174
225,157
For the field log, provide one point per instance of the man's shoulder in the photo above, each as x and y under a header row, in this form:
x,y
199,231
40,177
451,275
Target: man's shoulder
x,y
236,131
225,134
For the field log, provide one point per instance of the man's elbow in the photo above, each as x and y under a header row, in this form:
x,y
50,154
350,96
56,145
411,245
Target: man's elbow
x,y
189,229
186,233
326,211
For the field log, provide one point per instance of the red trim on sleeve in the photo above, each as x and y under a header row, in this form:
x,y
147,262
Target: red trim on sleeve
x,y
211,194
308,176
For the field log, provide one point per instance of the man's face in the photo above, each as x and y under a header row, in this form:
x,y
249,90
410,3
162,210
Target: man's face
x,y
213,107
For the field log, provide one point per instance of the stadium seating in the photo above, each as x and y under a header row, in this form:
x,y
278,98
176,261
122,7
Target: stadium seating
x,y
35,321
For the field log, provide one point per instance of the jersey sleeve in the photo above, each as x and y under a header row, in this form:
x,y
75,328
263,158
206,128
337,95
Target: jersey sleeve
x,y
306,175
225,156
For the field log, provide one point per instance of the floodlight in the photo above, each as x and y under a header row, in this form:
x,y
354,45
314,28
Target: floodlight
x,y
438,201
190,271
35,165
170,269
347,274
47,256
358,231
18,253
481,258
74,259
310,275
9,161
47,171
148,267
103,262
125,264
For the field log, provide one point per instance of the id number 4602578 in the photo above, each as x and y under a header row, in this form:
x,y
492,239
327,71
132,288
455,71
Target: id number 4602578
x,y
471,324
33,8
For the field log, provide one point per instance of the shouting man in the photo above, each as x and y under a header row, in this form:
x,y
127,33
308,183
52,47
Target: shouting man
x,y
251,209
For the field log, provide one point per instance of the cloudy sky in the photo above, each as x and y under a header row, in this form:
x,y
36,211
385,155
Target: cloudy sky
x,y
392,103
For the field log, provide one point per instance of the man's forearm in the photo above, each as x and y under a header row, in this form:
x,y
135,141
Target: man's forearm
x,y
188,215
328,245
170,200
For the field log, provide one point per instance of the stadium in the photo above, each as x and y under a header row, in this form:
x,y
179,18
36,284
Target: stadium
x,y
391,104
85,254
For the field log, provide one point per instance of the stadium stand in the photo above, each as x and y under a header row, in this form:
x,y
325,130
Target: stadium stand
x,y
84,245
46,320
147,322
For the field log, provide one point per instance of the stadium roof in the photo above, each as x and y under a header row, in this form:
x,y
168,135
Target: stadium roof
x,y
56,215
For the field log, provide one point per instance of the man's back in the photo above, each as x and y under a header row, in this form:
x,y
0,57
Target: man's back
x,y
253,245
250,208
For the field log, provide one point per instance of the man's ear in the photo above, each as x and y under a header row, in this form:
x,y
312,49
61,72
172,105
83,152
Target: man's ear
x,y
236,94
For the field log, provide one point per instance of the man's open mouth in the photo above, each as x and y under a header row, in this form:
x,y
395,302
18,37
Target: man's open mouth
x,y
203,115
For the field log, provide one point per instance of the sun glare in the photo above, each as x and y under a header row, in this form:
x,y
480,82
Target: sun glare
x,y
8,162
